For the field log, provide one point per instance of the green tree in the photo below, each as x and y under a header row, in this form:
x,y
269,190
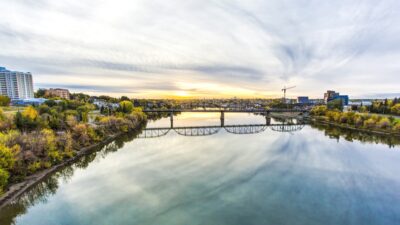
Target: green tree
x,y
124,98
4,175
396,109
27,120
126,106
40,93
335,104
319,110
4,100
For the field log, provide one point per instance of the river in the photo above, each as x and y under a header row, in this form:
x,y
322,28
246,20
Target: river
x,y
299,174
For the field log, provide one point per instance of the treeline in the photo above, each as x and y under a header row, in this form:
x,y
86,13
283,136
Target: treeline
x,y
387,106
357,120
40,137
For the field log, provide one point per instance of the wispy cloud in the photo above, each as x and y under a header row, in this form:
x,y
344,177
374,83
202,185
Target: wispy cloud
x,y
256,47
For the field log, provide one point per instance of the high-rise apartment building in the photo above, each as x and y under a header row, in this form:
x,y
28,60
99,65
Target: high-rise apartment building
x,y
16,85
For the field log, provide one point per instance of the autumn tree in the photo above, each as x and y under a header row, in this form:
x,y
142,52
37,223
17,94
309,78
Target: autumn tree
x,y
4,100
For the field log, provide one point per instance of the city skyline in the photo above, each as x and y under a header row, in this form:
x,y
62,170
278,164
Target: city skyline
x,y
204,49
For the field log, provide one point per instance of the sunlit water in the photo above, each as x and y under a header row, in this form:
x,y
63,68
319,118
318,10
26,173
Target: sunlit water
x,y
299,177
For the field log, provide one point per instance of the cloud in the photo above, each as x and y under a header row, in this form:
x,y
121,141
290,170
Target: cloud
x,y
254,45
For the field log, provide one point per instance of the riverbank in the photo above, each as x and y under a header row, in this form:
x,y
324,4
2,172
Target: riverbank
x,y
356,121
349,127
14,191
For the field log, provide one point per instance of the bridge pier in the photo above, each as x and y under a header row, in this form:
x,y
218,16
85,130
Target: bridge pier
x,y
171,117
268,120
222,118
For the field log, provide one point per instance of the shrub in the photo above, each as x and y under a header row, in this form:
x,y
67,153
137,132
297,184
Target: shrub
x,y
4,175
343,118
9,138
396,127
396,109
369,123
4,100
384,123
7,157
319,110
33,167
358,121
80,135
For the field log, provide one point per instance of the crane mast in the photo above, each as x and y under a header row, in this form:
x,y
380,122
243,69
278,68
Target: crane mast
x,y
284,89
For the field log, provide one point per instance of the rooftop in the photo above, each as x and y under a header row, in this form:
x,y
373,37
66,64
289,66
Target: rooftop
x,y
3,69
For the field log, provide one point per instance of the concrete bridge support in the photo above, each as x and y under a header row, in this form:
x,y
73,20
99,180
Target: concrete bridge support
x,y
171,117
222,119
268,120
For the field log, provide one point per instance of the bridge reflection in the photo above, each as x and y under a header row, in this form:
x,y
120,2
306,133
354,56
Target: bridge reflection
x,y
211,130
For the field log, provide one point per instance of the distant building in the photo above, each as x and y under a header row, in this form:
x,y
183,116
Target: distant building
x,y
344,98
16,85
316,101
58,92
303,100
359,103
29,101
102,103
330,95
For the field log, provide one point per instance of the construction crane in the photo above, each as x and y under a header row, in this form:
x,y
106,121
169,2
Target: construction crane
x,y
284,89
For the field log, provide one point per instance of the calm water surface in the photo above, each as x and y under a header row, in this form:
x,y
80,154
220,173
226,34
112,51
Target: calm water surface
x,y
309,176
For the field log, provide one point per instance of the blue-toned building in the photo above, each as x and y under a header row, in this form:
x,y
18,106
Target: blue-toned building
x,y
344,98
29,101
303,100
333,95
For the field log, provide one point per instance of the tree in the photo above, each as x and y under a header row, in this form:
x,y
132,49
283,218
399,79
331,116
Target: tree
x,y
396,109
384,123
124,98
7,156
369,123
335,104
27,120
4,100
319,110
363,109
40,93
4,175
126,106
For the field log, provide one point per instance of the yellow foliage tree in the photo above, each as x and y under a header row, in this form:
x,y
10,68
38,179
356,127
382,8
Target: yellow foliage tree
x,y
30,113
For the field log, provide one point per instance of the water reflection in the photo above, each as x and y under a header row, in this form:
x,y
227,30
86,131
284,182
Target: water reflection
x,y
261,178
338,133
48,187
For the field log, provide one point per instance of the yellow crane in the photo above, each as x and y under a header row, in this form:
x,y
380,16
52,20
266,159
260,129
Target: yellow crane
x,y
284,89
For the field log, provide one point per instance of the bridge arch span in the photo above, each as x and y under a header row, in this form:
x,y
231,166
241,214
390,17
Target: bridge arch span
x,y
153,133
287,128
197,131
245,129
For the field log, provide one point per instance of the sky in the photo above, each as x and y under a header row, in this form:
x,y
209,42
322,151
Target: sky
x,y
204,48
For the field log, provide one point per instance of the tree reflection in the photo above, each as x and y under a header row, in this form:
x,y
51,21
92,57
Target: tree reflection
x,y
335,132
41,191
